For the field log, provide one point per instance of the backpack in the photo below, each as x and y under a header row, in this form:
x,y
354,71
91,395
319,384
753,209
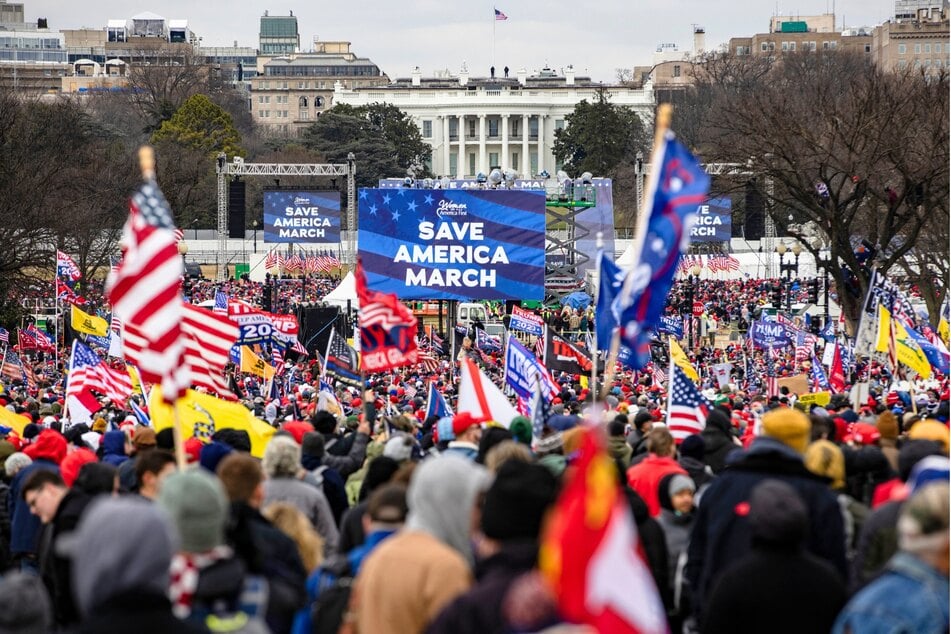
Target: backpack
x,y
334,490
327,612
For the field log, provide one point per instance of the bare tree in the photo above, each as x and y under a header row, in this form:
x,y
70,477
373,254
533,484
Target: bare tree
x,y
851,151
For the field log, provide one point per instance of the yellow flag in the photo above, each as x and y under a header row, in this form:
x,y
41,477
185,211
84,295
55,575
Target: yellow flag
x,y
943,330
254,364
136,380
203,415
680,358
88,324
16,421
884,329
910,353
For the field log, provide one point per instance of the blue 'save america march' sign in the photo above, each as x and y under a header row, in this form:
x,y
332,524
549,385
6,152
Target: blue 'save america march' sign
x,y
453,244
301,216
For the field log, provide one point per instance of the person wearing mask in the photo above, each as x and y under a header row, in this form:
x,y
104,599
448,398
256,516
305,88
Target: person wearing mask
x,y
777,586
432,553
912,593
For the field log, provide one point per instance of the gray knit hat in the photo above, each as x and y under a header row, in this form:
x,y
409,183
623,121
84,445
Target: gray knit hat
x,y
198,507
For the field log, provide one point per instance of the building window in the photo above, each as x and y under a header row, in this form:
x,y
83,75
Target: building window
x,y
427,129
868,48
303,114
514,127
937,47
453,131
676,70
515,164
810,46
260,98
533,129
453,162
828,46
318,102
764,47
301,85
928,48
494,160
559,124
533,162
785,46
902,64
261,114
472,129
902,49
917,49
472,164
302,102
493,128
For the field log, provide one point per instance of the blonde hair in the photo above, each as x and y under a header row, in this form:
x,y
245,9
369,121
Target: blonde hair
x,y
505,451
290,521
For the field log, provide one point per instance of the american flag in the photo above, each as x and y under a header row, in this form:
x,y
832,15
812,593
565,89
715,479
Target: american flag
x,y
499,16
732,263
270,260
713,263
179,235
334,262
277,358
221,303
146,289
687,408
87,372
658,375
12,368
293,263
539,347
4,335
428,362
299,348
43,342
771,383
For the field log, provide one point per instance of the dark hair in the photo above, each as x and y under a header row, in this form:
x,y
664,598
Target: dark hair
x,y
96,478
39,479
388,504
152,461
615,428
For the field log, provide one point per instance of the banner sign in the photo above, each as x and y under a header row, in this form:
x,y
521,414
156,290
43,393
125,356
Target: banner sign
x,y
769,334
522,369
714,221
454,244
672,325
526,321
311,217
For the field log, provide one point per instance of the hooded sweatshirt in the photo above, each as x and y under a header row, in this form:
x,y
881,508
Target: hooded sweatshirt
x,y
113,448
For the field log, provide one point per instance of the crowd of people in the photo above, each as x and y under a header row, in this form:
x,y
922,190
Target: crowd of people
x,y
375,518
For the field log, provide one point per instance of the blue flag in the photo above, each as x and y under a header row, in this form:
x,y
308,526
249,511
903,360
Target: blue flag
x,y
937,358
486,342
523,370
610,281
679,186
672,325
818,375
436,404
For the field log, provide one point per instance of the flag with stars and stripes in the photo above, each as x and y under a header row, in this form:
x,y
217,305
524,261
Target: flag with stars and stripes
x,y
221,303
4,335
88,373
687,408
146,289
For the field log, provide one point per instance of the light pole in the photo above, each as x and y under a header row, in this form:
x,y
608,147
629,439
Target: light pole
x,y
254,225
694,319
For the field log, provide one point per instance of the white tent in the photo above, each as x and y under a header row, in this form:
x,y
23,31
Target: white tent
x,y
345,291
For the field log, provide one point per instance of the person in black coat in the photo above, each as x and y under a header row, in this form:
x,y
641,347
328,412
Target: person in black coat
x,y
511,520
263,549
721,534
718,440
778,586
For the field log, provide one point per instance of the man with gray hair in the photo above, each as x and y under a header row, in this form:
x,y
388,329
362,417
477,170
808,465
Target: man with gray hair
x,y
912,593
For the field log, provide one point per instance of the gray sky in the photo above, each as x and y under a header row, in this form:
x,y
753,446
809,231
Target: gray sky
x,y
440,34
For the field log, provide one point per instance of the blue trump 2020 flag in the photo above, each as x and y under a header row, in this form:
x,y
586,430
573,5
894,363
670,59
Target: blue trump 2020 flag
x,y
436,404
610,281
679,187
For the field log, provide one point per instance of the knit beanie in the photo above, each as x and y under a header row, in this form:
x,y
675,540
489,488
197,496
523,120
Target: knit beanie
x,y
692,447
516,502
789,426
931,430
521,429
34,616
198,507
399,448
825,459
680,482
913,451
887,425
313,445
778,516
213,453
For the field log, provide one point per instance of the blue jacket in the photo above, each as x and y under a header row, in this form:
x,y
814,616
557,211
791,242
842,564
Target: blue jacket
x,y
113,448
910,596
24,526
721,532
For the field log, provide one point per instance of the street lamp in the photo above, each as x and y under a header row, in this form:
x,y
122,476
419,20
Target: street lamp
x,y
254,224
183,251
694,287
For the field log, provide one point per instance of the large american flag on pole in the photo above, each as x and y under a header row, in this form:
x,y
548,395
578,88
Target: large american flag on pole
x,y
146,290
687,408
87,372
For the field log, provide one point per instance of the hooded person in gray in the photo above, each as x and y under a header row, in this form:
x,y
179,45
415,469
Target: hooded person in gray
x,y
121,552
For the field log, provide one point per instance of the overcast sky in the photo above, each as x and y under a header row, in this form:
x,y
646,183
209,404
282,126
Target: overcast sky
x,y
596,37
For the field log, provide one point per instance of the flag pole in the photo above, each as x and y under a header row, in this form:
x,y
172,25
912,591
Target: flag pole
x,y
664,115
599,244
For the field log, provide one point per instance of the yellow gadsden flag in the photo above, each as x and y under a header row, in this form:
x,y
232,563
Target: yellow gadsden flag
x,y
202,415
894,339
88,324
680,358
254,364
15,421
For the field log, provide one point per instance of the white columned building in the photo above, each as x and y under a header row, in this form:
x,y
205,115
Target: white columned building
x,y
476,123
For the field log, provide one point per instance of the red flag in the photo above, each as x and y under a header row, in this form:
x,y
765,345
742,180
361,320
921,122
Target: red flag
x,y
590,553
146,289
387,329
836,372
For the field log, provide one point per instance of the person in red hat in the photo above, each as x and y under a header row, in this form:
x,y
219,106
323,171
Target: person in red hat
x,y
468,431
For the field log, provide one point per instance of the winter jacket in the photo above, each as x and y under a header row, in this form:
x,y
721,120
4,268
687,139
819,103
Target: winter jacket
x,y
55,569
139,612
717,440
877,542
477,611
776,591
352,460
268,552
311,501
645,476
113,448
620,450
721,534
24,526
